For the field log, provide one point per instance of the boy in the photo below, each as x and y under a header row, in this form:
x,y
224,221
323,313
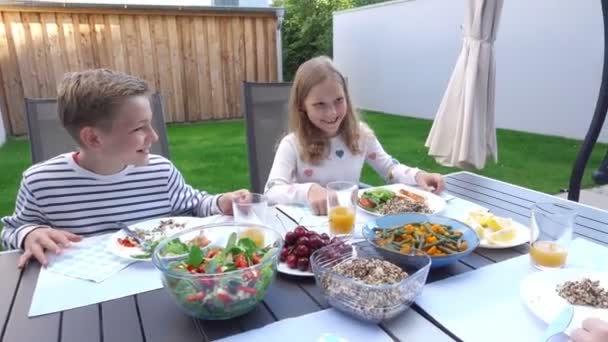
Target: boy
x,y
111,178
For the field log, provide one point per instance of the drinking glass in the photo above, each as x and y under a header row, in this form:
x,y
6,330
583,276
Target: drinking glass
x,y
341,199
552,227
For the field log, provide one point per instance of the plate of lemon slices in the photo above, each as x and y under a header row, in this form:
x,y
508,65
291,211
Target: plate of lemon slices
x,y
497,232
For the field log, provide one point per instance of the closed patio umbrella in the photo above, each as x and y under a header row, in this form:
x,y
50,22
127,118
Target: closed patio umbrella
x,y
463,133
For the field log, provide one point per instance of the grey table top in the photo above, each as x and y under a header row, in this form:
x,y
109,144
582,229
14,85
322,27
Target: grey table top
x,y
152,316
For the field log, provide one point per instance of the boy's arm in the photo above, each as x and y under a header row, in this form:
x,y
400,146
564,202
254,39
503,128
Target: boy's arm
x,y
26,218
186,200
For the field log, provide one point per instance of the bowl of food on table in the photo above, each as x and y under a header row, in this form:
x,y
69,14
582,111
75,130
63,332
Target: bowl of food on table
x,y
398,198
218,271
359,280
443,239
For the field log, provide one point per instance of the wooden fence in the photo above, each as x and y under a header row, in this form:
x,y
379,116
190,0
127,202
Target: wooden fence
x,y
197,59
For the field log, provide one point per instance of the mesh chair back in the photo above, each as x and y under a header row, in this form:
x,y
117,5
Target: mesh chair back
x,y
266,112
48,138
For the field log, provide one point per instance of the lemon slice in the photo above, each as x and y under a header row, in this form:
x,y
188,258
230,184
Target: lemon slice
x,y
502,236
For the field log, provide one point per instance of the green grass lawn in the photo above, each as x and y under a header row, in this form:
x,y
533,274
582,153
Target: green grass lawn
x,y
213,156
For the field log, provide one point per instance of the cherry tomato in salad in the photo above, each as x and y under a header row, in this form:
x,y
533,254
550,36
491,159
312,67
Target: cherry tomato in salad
x,y
195,296
213,253
246,289
127,242
366,203
224,297
240,261
256,258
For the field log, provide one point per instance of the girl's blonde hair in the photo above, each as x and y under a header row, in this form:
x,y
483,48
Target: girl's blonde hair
x,y
314,144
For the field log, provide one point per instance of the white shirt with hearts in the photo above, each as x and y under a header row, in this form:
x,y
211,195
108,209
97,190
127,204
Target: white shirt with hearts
x,y
290,177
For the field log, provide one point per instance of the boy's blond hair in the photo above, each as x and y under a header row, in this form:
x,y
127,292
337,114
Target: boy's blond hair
x,y
314,145
91,97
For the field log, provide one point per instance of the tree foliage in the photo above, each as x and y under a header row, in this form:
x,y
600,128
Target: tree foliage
x,y
307,29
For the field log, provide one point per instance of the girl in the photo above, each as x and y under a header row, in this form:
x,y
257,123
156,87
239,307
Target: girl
x,y
328,142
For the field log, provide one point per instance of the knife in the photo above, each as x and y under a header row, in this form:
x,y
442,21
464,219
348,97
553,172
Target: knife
x,y
559,323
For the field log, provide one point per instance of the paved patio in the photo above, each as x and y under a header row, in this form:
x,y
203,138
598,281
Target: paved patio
x,y
596,197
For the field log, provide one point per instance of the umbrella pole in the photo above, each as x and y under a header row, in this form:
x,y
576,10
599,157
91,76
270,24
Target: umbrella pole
x,y
596,123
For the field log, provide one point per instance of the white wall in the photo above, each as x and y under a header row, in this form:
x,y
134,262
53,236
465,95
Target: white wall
x,y
399,56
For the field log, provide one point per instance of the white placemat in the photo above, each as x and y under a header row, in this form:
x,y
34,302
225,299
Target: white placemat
x,y
485,304
322,326
88,260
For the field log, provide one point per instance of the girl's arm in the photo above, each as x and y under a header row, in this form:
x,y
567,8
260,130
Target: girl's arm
x,y
386,166
281,187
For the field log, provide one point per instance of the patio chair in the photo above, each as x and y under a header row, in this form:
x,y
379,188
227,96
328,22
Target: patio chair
x,y
265,108
48,138
266,113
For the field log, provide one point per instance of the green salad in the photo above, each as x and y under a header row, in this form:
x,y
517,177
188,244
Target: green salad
x,y
219,282
373,199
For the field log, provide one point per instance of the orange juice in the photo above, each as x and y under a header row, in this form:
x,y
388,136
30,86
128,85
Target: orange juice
x,y
548,254
256,235
341,220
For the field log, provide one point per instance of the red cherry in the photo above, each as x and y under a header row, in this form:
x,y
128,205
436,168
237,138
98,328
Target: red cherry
x,y
290,238
303,264
292,261
302,251
300,231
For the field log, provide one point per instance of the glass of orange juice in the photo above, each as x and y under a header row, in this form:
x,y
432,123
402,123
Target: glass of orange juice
x,y
341,199
552,227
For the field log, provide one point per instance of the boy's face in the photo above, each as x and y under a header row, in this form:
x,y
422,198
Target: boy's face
x,y
326,106
131,136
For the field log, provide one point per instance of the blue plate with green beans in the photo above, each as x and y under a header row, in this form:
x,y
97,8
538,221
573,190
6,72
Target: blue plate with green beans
x,y
444,239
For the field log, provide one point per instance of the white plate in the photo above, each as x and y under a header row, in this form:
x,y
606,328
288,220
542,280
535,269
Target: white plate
x,y
436,204
539,295
127,252
282,267
522,235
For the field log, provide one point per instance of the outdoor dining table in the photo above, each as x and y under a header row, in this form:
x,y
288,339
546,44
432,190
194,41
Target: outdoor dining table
x,y
152,316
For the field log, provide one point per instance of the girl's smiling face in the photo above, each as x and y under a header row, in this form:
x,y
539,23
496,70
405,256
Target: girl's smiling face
x,y
325,105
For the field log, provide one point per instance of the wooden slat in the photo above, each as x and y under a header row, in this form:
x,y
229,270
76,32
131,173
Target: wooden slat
x,y
228,69
11,80
175,65
8,285
70,55
131,45
217,92
149,72
271,47
238,60
299,302
163,321
38,53
56,62
120,320
261,52
86,48
161,48
115,43
190,80
250,45
101,34
22,328
81,324
203,71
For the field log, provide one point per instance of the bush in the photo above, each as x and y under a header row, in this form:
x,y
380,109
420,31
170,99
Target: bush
x,y
307,29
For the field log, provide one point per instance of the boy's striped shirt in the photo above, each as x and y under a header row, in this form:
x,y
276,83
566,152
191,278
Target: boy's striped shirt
x,y
60,194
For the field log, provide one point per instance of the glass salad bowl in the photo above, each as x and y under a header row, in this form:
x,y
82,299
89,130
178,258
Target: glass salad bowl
x,y
372,301
218,271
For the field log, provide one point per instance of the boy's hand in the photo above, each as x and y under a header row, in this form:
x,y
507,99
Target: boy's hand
x,y
225,201
430,181
40,240
317,199
593,330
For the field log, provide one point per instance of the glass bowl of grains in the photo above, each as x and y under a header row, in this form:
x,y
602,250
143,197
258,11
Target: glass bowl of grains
x,y
358,280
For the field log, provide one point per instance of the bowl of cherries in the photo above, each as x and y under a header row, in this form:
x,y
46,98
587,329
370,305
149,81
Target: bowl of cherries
x,y
300,243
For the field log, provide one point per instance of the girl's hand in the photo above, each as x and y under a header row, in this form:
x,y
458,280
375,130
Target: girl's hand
x,y
593,330
43,239
430,182
225,201
317,199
